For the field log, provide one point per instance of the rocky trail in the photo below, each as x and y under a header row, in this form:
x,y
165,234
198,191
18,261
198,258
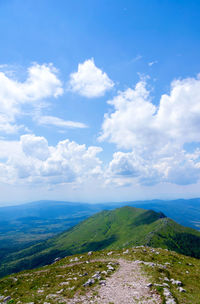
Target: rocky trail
x,y
127,285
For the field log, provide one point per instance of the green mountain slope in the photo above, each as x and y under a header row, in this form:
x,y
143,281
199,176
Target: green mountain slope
x,y
119,228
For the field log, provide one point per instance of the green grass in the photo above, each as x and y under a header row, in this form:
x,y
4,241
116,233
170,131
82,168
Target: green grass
x,y
38,285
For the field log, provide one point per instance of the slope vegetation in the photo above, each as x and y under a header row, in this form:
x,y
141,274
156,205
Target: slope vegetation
x,y
120,228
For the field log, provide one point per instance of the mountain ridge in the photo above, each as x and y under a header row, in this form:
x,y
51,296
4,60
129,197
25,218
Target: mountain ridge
x,y
120,228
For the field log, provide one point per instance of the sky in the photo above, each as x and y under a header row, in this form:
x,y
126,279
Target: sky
x,y
99,100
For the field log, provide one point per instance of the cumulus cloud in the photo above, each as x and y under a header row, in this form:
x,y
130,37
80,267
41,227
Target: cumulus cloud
x,y
124,126
155,135
90,81
58,122
42,82
37,162
35,146
127,167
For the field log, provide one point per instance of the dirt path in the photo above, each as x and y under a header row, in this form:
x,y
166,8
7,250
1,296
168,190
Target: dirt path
x,y
126,286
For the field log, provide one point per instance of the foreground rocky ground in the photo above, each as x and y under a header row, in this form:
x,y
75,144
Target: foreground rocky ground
x,y
135,275
127,285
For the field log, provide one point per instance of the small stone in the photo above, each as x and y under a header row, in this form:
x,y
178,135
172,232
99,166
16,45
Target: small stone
x,y
6,299
167,292
181,289
64,283
170,301
59,291
90,253
176,282
50,296
104,272
96,276
89,282
125,252
149,285
40,290
110,268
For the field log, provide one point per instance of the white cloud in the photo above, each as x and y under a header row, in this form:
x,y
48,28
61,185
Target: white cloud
x,y
35,146
137,58
32,160
8,148
137,123
41,83
180,169
90,81
125,126
152,63
155,135
58,122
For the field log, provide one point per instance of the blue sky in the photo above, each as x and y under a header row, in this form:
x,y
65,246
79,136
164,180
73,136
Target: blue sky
x,y
99,100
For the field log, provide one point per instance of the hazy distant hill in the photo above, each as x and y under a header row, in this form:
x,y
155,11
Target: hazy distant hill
x,y
184,211
119,228
23,225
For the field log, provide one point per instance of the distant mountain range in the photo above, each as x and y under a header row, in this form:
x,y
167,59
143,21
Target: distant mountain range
x,y
23,225
110,229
